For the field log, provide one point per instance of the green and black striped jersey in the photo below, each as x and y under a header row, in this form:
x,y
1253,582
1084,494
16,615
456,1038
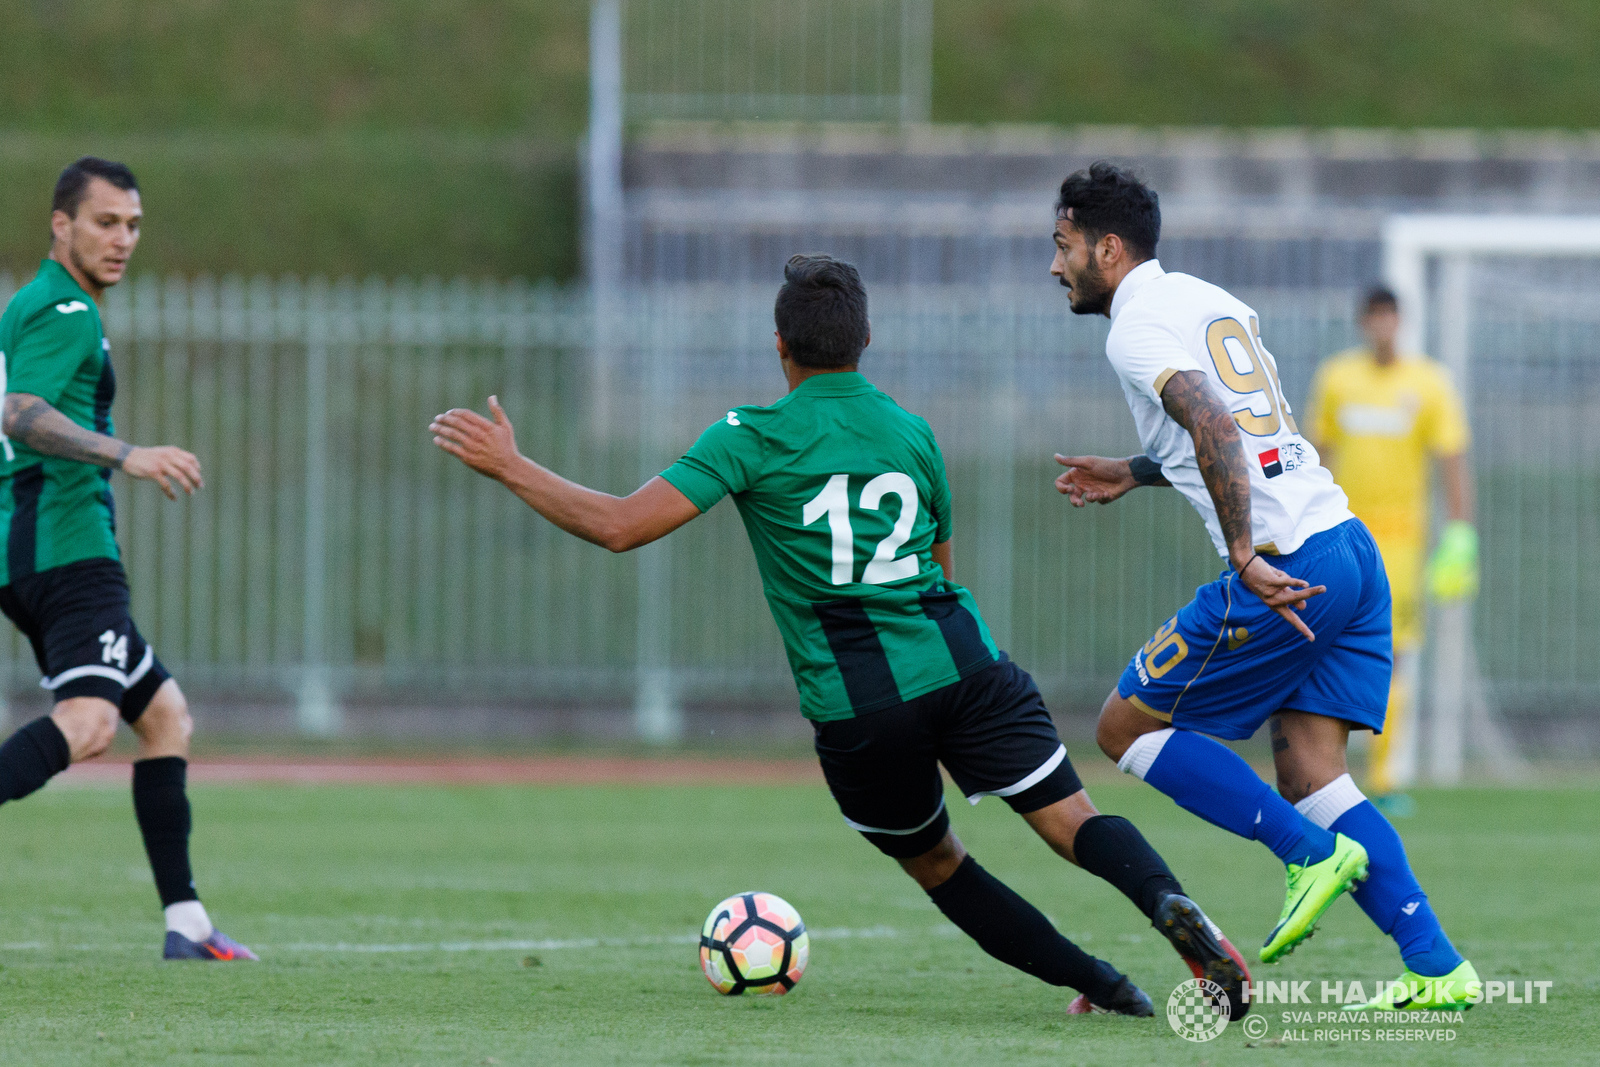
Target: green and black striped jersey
x,y
843,495
56,511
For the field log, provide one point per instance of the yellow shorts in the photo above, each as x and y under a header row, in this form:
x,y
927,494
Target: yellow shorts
x,y
1403,560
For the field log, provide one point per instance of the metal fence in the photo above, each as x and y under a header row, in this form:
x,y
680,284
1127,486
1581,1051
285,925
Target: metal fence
x,y
335,545
847,60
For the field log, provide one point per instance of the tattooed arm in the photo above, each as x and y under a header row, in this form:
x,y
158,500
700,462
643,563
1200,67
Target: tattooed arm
x,y
34,422
44,429
1191,403
1188,398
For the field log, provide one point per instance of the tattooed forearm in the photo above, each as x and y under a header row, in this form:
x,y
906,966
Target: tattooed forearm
x,y
42,428
1192,405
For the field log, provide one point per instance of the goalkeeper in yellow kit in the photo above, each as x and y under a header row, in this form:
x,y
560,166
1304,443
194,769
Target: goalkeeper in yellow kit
x,y
1380,418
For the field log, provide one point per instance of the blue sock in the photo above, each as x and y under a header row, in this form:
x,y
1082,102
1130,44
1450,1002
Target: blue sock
x,y
1391,896
1210,780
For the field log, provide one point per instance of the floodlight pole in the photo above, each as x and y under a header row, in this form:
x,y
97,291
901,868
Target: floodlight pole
x,y
657,716
916,60
318,712
603,172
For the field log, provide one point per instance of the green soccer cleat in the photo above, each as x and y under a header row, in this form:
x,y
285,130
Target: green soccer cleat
x,y
1312,890
1413,992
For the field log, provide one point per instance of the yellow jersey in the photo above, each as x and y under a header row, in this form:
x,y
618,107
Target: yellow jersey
x,y
1383,427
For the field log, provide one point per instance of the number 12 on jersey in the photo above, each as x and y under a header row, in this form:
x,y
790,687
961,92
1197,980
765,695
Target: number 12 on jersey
x,y
834,502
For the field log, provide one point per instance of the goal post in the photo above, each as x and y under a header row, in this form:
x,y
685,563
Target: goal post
x,y
1427,261
1411,242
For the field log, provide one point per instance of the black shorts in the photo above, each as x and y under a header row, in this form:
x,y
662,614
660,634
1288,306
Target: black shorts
x,y
992,733
76,617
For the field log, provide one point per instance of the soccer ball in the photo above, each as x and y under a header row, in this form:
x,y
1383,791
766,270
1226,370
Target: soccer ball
x,y
754,942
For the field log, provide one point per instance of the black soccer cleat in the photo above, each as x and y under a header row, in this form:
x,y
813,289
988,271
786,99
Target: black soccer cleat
x,y
1209,954
1124,999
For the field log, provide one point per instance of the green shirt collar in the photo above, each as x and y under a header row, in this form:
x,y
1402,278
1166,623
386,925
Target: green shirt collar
x,y
841,383
62,273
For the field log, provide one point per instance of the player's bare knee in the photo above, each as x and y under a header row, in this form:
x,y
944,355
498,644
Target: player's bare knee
x,y
1308,752
1299,779
103,731
934,867
1059,823
1303,771
88,723
168,723
1120,725
1110,739
165,723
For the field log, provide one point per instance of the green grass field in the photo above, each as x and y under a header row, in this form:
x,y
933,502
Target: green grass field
x,y
402,925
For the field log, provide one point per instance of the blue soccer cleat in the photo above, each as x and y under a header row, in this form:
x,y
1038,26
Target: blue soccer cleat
x,y
219,946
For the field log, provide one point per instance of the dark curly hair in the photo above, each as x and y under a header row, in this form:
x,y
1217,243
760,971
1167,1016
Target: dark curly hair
x,y
1106,199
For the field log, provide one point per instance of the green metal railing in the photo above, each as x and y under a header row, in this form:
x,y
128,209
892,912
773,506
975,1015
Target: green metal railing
x,y
335,552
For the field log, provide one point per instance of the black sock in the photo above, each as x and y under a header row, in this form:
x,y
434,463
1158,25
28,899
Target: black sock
x,y
162,808
1015,932
1113,848
31,757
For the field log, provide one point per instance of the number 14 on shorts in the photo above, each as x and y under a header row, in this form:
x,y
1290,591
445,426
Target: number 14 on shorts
x,y
114,649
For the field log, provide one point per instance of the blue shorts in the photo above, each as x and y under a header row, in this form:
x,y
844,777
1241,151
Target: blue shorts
x,y
1226,662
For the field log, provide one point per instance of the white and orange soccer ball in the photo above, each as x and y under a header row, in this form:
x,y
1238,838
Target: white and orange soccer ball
x,y
754,943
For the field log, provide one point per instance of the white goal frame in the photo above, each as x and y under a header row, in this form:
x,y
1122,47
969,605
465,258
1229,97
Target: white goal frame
x,y
1460,714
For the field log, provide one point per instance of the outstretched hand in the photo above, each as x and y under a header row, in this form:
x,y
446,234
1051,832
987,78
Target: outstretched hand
x,y
1281,592
167,466
488,447
1093,479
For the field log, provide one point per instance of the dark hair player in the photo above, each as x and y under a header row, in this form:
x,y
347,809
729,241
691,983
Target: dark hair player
x,y
1295,632
61,576
894,664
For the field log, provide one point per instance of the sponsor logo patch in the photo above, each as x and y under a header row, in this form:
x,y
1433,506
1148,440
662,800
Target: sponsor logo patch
x,y
1289,456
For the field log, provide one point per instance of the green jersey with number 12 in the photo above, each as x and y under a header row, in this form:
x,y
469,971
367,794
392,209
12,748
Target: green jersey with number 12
x,y
843,494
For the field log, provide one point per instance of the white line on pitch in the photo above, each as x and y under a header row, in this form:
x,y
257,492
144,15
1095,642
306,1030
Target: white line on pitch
x,y
825,934
546,945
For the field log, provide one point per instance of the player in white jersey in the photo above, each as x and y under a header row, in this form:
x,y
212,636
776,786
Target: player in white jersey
x,y
1162,324
1295,630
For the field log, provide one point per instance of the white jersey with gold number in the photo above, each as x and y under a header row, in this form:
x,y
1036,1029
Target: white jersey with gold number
x,y
1162,324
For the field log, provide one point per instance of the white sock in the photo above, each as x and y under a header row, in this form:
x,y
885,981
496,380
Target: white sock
x,y
1143,752
1331,801
189,918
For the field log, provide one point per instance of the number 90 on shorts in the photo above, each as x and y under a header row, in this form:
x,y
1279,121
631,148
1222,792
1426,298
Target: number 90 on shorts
x,y
1164,651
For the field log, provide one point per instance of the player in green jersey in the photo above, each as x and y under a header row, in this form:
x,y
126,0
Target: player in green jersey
x,y
61,576
844,497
